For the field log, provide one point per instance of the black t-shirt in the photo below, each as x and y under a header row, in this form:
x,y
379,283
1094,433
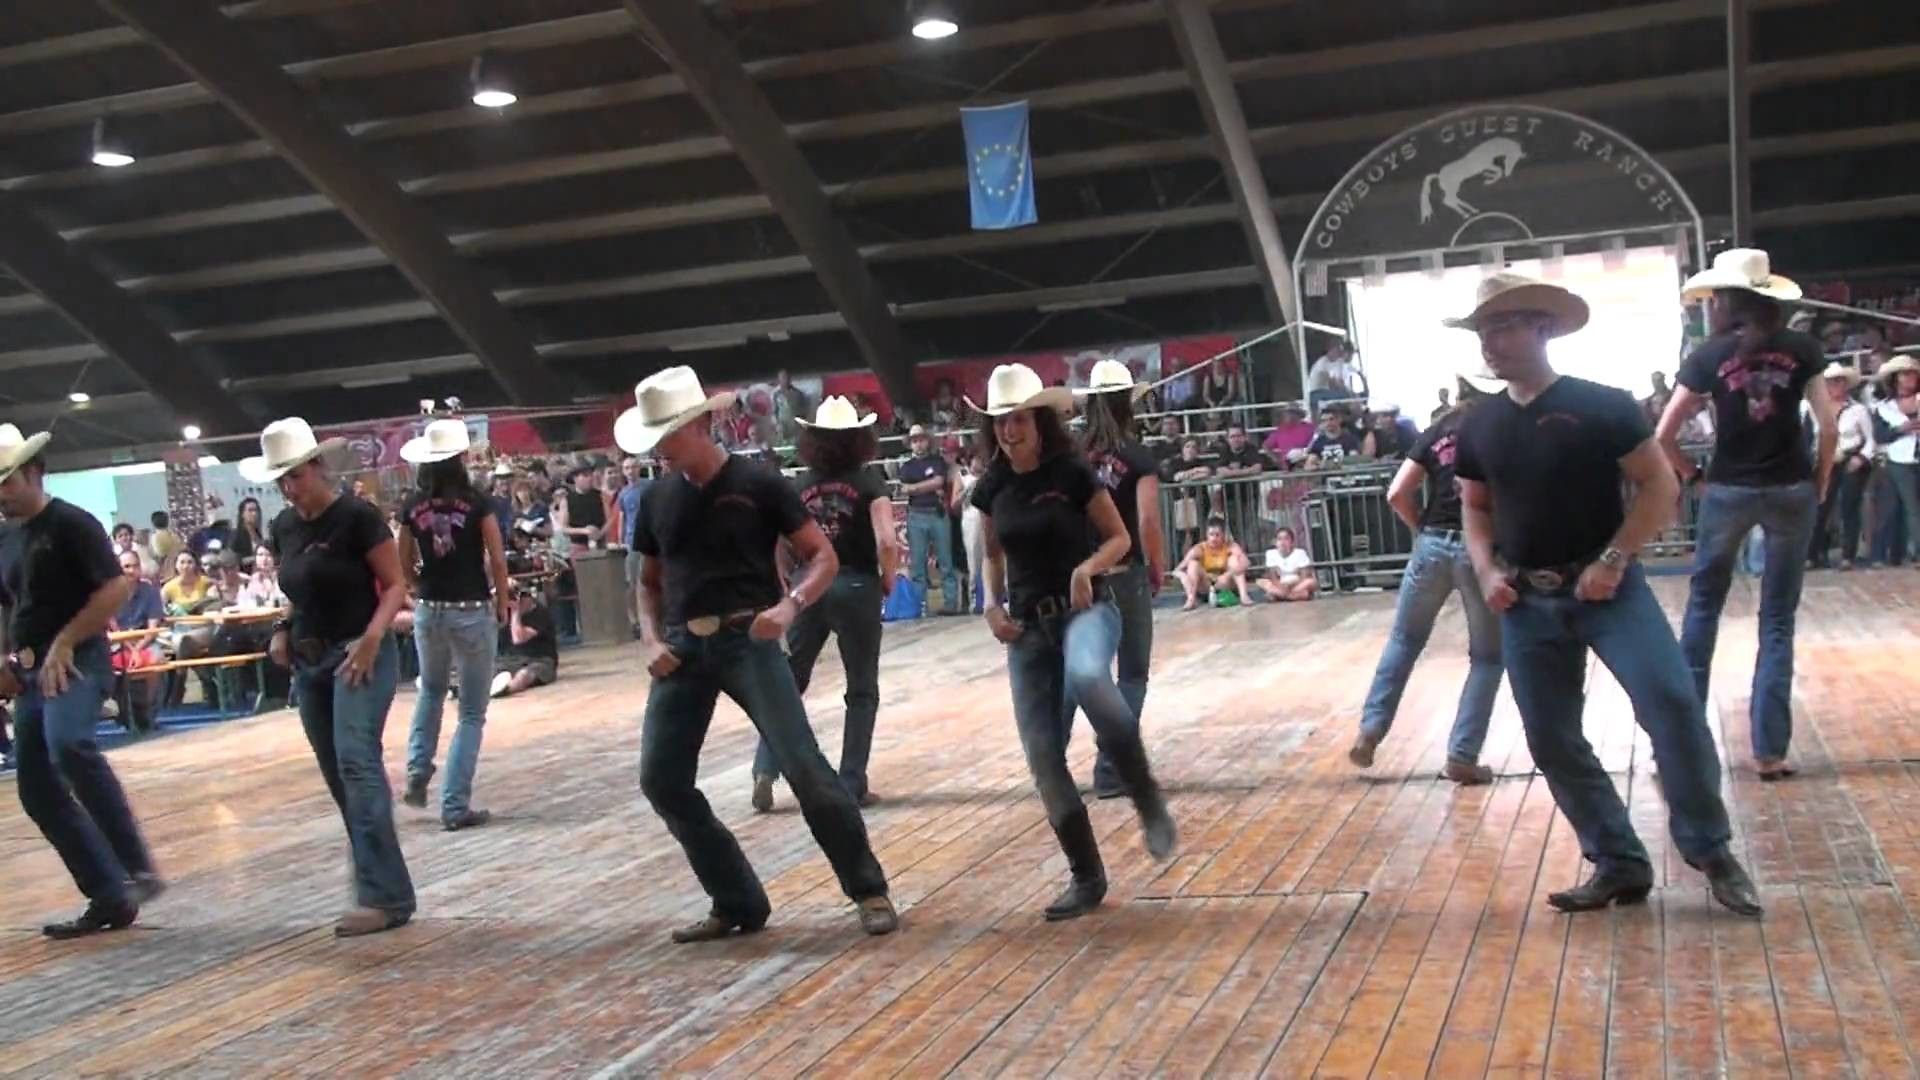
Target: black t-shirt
x,y
1040,519
917,469
453,555
1391,441
1332,448
1554,467
1433,451
1248,455
50,565
543,645
585,509
1119,472
717,541
1756,406
324,571
843,506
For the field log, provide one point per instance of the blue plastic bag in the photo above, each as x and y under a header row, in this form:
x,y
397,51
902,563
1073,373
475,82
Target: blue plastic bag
x,y
907,601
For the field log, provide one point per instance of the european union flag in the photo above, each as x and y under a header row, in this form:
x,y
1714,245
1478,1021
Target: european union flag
x,y
999,166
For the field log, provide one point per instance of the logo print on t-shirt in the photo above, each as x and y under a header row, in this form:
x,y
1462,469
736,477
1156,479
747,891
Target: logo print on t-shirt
x,y
1110,471
440,521
1758,376
1443,451
831,505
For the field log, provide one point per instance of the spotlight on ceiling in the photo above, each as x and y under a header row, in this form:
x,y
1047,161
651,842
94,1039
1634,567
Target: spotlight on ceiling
x,y
79,397
190,432
109,150
490,91
932,20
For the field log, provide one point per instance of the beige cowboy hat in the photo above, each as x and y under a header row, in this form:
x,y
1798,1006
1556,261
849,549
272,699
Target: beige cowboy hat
x,y
664,402
1112,377
17,449
1506,291
443,439
1895,366
837,414
1477,376
1739,268
1013,387
1838,370
285,446
503,468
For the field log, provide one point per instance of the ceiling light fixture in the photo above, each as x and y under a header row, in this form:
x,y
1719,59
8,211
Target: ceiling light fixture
x,y
79,397
109,150
190,433
932,20
490,91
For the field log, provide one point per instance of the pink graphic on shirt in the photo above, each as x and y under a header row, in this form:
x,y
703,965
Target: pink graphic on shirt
x,y
1758,377
1443,451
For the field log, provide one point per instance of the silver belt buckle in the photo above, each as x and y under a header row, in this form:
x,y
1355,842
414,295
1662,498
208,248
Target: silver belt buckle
x,y
1545,580
703,625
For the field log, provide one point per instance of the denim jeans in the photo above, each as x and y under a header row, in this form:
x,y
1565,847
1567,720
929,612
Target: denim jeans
x,y
445,636
1785,513
1544,641
344,725
66,786
1846,491
1064,656
680,709
931,531
1134,600
1438,568
1905,482
1891,540
851,613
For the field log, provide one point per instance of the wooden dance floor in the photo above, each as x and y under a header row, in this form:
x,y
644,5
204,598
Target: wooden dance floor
x,y
1317,921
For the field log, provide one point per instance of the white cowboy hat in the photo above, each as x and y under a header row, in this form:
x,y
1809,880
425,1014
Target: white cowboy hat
x,y
17,449
1479,377
1112,377
1013,387
1837,370
1380,408
1739,268
1505,291
1895,366
285,446
503,468
837,414
443,439
664,402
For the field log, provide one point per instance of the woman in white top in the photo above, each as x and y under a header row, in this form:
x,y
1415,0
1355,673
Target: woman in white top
x,y
970,528
1289,575
1896,425
262,588
1852,467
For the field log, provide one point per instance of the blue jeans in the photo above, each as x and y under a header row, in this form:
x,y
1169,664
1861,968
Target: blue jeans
x,y
1785,514
1544,640
444,636
68,789
1072,656
1134,600
680,709
1891,539
1438,568
851,613
930,530
344,725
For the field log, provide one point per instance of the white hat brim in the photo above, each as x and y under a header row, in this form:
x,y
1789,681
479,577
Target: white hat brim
x,y
1139,390
1713,279
1569,312
1895,366
864,422
419,451
632,432
1055,397
24,453
257,470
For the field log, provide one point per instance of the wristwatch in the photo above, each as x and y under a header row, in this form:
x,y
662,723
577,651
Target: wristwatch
x,y
799,601
1615,558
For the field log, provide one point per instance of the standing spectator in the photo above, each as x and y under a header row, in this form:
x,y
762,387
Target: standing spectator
x,y
945,411
1241,460
1166,445
531,515
1853,465
1334,443
586,515
248,532
789,405
612,480
926,479
1188,469
1897,428
165,542
630,495
1655,404
1445,406
501,494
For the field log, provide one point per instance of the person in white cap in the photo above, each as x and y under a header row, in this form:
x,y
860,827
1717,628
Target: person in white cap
x,y
1541,470
463,596
1755,373
340,569
712,620
1127,472
1852,466
848,499
60,585
1053,532
1438,568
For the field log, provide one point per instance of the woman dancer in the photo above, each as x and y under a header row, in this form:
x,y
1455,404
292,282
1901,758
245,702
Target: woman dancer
x,y
341,571
849,501
464,593
1126,470
1042,509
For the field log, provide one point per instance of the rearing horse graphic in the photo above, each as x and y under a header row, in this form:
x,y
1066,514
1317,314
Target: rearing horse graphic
x,y
1492,161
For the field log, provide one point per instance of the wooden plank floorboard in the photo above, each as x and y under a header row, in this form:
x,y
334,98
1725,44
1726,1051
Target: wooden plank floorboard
x,y
1317,920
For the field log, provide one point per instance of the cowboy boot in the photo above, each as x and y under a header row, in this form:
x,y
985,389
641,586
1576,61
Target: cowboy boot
x,y
1089,885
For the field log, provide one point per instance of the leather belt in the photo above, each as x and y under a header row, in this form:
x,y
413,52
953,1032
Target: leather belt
x,y
709,625
456,605
1053,607
1451,536
1549,579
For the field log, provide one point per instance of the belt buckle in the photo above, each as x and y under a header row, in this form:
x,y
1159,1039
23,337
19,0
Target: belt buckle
x,y
1544,580
704,625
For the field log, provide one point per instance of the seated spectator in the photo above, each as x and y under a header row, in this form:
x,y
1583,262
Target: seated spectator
x,y
1387,439
228,581
1189,467
144,610
124,541
1213,566
1289,575
189,593
1290,432
1334,443
261,589
241,637
530,656
1166,445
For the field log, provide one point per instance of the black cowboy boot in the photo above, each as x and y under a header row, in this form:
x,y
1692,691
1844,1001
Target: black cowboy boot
x,y
1089,873
1614,886
1156,824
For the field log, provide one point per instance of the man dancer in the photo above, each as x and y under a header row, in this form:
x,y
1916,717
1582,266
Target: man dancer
x,y
1540,470
61,585
1755,372
712,617
925,480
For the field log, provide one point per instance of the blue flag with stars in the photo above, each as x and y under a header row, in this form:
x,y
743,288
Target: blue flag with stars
x,y
999,166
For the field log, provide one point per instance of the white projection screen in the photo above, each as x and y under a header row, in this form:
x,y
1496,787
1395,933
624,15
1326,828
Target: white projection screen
x,y
1636,328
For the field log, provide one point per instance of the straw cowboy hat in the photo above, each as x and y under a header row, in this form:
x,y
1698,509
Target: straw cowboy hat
x,y
17,449
285,446
1112,377
837,414
1503,292
1740,268
1013,387
1476,376
443,439
1895,366
1838,370
664,402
